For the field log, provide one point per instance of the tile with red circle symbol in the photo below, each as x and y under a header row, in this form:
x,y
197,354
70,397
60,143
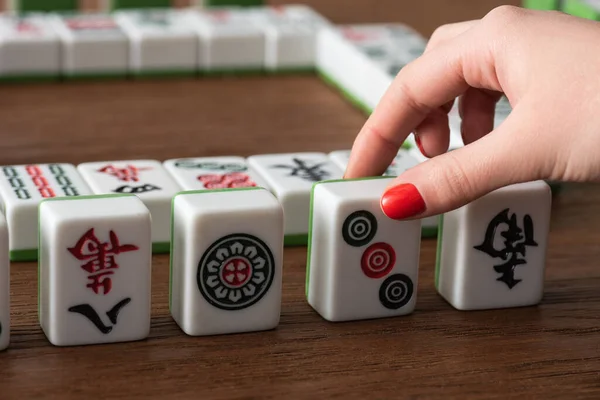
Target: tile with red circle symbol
x,y
361,264
22,188
226,260
146,179
209,173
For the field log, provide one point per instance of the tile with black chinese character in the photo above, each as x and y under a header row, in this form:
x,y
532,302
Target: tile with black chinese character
x,y
95,269
147,179
493,251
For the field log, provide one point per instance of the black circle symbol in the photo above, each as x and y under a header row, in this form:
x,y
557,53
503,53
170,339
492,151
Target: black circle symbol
x,y
359,228
236,271
396,291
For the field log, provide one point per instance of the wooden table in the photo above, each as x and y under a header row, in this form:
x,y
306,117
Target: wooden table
x,y
537,352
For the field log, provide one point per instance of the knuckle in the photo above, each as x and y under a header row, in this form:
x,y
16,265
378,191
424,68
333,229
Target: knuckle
x,y
407,95
503,15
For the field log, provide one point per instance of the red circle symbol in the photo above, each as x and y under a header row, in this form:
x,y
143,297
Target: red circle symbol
x,y
236,272
378,260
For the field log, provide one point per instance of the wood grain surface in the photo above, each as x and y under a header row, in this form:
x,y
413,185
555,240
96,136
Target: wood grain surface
x,y
547,351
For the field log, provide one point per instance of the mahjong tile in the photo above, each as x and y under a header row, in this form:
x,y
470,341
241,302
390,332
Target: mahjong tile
x,y
212,173
147,179
93,44
360,264
22,187
290,177
5,321
29,47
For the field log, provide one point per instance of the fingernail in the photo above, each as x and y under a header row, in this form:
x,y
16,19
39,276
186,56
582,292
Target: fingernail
x,y
402,201
420,145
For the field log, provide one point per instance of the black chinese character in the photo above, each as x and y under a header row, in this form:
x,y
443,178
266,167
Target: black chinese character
x,y
136,189
516,241
88,311
303,170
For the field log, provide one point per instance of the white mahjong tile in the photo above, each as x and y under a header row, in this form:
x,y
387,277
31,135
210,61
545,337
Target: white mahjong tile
x,y
147,179
291,35
29,46
492,251
227,264
361,264
212,173
5,321
22,187
161,40
95,270
230,40
290,177
92,44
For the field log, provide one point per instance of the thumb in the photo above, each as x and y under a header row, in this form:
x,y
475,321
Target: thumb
x,y
510,154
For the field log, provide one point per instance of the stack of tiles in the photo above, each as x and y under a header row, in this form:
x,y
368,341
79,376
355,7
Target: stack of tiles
x,y
290,36
291,177
230,41
146,179
29,48
491,252
93,45
362,60
210,173
22,188
4,285
95,269
226,261
360,264
162,42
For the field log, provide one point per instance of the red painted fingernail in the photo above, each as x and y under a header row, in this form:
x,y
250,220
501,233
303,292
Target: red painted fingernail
x,y
402,201
420,145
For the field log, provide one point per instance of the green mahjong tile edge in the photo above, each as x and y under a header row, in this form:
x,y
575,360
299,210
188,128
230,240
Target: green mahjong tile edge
x,y
310,220
139,4
579,9
328,79
46,5
23,255
172,242
92,76
429,232
161,247
142,75
295,240
541,4
232,72
239,3
438,255
29,78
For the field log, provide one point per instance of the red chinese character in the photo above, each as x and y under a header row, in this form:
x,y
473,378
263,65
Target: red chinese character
x,y
357,36
77,24
26,27
127,174
226,181
100,258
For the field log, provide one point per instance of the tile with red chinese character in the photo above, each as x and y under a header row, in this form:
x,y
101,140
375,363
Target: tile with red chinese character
x,y
93,44
147,179
226,259
95,269
22,187
29,47
200,173
4,285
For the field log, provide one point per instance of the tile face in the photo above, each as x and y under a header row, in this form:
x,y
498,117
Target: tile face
x,y
493,251
226,261
403,161
291,35
230,40
360,264
95,270
22,187
161,41
29,46
146,179
291,177
92,44
212,173
4,286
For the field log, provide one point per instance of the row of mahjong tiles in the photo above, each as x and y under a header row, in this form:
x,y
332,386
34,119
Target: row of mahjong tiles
x,y
226,261
289,176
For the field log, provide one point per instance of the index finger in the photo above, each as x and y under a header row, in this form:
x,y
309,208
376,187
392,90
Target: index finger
x,y
427,83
